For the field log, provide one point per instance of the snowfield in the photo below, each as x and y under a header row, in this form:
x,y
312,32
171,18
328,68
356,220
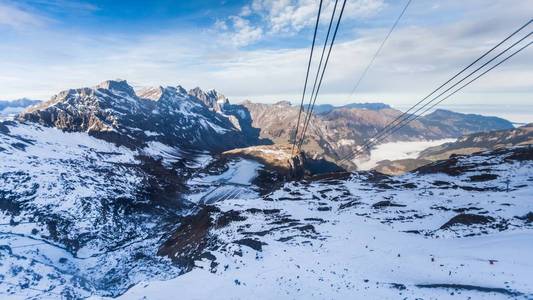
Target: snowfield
x,y
82,218
374,237
75,219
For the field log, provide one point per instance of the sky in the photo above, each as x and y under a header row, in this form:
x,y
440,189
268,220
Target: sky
x,y
258,49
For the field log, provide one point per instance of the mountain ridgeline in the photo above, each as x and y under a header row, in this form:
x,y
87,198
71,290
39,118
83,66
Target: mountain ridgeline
x,y
207,121
113,111
337,132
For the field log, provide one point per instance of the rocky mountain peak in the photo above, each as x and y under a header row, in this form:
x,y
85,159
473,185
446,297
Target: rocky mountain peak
x,y
113,111
212,98
151,93
117,86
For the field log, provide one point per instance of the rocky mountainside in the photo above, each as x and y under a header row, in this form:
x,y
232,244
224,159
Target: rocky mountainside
x,y
337,132
468,144
424,235
82,216
482,141
12,107
113,111
212,99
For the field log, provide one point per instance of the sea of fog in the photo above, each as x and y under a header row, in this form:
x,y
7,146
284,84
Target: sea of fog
x,y
397,150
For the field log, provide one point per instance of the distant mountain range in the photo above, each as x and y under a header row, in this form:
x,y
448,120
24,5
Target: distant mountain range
x,y
337,133
326,108
12,107
201,120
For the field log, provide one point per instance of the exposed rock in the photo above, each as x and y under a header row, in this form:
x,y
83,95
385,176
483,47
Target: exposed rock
x,y
398,167
212,99
254,244
483,177
192,239
386,203
279,158
527,217
467,219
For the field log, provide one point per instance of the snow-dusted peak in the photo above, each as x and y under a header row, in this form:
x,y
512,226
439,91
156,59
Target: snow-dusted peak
x,y
117,86
212,98
151,93
181,90
168,93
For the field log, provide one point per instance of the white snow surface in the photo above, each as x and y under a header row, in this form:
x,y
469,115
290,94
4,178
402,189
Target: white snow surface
x,y
81,184
367,236
235,181
354,250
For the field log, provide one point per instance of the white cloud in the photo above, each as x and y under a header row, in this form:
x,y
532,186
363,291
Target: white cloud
x,y
415,60
16,18
289,17
244,33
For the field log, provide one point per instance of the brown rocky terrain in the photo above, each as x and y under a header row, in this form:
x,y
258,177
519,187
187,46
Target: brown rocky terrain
x,y
465,145
337,132
482,141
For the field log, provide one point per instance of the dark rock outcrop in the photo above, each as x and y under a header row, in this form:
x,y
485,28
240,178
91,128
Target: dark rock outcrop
x,y
467,219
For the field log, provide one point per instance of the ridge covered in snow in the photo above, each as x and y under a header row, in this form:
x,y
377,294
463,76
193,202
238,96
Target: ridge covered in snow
x,y
113,111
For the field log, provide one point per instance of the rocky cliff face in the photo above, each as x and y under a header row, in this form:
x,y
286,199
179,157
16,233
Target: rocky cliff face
x,y
115,112
212,99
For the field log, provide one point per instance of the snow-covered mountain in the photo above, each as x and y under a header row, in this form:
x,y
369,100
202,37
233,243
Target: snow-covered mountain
x,y
456,229
113,111
80,215
109,192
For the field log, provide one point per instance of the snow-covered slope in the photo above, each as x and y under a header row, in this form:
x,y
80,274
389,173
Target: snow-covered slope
x,y
80,216
456,229
83,217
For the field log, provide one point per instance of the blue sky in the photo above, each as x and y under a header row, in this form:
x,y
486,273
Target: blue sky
x,y
257,49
